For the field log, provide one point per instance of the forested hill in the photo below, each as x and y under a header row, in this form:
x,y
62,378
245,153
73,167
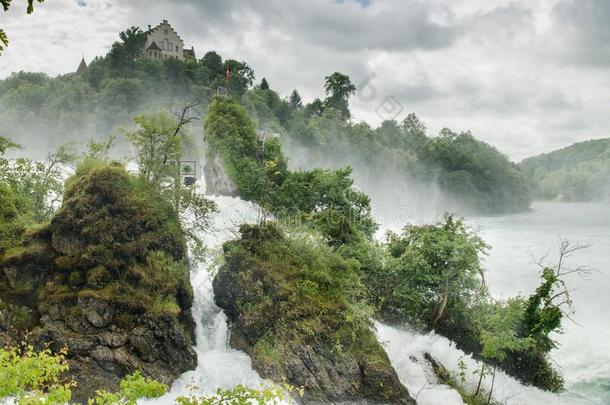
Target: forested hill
x,y
580,172
43,111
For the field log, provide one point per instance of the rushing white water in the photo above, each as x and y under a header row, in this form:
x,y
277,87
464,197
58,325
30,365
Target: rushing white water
x,y
219,366
584,352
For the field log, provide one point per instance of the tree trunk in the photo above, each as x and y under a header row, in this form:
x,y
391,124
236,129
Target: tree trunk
x,y
441,308
480,380
493,379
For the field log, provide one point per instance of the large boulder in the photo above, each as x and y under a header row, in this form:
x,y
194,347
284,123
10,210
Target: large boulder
x,y
290,308
107,280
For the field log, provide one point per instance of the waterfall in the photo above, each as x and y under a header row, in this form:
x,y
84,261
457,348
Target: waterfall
x,y
218,366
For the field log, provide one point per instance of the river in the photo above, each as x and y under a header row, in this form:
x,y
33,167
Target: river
x,y
584,351
516,240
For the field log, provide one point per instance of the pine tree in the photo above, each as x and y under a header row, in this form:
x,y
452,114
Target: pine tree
x,y
295,101
264,84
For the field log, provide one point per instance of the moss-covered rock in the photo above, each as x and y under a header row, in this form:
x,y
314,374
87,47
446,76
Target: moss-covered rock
x,y
295,308
107,279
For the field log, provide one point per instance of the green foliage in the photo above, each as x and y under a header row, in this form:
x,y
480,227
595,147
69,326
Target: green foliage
x,y
580,172
476,169
469,170
123,54
339,89
37,185
317,293
121,243
264,84
9,218
499,325
6,144
132,388
295,101
321,199
326,201
230,132
431,270
99,151
542,315
33,377
158,142
240,395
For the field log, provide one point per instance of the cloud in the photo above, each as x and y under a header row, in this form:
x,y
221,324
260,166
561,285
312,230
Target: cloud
x,y
582,27
523,75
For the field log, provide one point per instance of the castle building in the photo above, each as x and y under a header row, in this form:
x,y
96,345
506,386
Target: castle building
x,y
163,42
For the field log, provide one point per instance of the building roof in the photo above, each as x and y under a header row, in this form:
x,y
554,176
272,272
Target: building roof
x,y
189,53
164,22
153,47
82,67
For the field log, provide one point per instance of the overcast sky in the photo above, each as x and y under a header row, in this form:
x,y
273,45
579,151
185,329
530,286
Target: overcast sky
x,y
527,76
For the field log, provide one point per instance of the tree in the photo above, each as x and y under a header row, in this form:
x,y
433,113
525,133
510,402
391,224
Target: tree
x,y
551,301
434,267
499,325
123,54
339,89
264,84
414,132
6,4
158,141
315,108
294,101
213,62
6,144
38,185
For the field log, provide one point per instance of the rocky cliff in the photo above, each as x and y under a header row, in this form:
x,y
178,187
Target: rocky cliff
x,y
107,280
290,307
217,181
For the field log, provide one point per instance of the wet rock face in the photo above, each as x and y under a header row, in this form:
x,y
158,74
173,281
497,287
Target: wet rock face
x,y
106,280
157,346
217,181
326,377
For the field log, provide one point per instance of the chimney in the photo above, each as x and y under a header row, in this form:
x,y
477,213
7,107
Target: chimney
x,y
149,27
165,21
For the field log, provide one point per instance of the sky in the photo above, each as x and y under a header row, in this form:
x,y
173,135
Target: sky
x,y
527,76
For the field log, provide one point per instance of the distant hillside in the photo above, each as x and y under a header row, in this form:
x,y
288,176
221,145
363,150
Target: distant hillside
x,y
580,172
40,112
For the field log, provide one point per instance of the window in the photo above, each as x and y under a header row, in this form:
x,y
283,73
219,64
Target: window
x,y
165,32
176,49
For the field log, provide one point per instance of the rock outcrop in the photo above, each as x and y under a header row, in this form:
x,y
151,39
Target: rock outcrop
x,y
285,306
107,280
217,181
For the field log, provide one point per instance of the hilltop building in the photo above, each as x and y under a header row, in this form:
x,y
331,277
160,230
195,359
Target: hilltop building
x,y
163,42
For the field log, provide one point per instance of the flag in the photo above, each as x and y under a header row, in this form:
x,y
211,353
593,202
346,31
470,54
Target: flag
x,y
228,72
